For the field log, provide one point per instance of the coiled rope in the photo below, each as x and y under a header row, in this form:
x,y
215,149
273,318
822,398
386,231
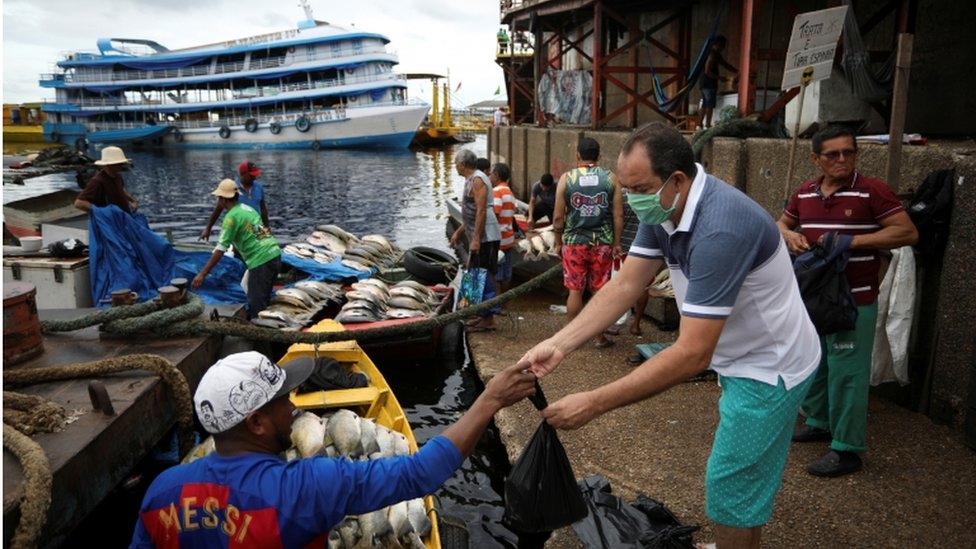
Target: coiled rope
x,y
31,414
37,484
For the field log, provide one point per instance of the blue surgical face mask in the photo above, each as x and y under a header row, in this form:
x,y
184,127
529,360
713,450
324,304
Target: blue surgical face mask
x,y
648,207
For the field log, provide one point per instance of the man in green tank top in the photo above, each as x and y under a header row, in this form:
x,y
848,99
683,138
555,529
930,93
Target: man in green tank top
x,y
243,227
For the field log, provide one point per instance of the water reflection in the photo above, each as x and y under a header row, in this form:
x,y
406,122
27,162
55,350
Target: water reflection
x,y
400,194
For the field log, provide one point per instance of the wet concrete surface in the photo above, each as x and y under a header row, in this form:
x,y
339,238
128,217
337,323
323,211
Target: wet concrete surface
x,y
917,487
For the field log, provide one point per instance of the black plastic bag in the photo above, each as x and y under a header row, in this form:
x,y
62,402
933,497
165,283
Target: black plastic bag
x,y
541,493
614,523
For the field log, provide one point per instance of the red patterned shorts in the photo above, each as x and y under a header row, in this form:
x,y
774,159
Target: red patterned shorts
x,y
586,267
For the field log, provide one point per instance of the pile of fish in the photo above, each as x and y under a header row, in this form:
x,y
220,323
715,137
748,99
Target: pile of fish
x,y
345,434
295,307
537,245
329,243
372,299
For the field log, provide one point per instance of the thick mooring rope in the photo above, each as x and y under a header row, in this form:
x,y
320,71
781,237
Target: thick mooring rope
x,y
31,414
158,365
37,487
256,333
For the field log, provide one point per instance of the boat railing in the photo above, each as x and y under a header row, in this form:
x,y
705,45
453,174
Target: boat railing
x,y
243,93
97,75
331,114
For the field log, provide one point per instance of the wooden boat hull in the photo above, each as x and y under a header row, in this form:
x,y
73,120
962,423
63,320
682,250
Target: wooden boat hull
x,y
24,217
376,402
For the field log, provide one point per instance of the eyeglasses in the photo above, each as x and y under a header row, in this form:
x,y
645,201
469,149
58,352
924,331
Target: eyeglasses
x,y
834,155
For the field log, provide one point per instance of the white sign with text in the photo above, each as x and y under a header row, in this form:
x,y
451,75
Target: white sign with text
x,y
813,43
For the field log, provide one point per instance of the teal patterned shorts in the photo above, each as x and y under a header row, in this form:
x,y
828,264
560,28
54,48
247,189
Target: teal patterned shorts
x,y
751,443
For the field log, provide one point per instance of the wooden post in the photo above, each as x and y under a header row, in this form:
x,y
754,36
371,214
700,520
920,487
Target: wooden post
x,y
899,105
804,82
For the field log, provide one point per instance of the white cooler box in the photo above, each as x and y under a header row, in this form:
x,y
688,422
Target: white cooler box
x,y
60,283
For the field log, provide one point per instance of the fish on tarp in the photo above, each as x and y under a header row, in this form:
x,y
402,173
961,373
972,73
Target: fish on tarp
x,y
382,294
407,302
320,290
328,241
416,286
411,293
337,232
381,240
308,434
366,295
376,282
404,313
357,265
298,294
356,316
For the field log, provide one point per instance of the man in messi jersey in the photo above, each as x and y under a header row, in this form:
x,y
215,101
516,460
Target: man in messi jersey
x,y
588,221
844,201
245,495
243,227
741,315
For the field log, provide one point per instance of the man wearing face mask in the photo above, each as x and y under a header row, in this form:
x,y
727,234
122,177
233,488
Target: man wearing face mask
x,y
741,315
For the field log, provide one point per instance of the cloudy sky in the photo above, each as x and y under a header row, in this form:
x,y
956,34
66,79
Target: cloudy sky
x,y
430,36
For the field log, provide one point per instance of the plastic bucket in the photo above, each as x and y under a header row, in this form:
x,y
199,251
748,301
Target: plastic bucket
x,y
21,327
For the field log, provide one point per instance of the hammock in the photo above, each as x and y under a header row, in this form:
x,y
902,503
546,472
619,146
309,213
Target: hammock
x,y
668,104
868,83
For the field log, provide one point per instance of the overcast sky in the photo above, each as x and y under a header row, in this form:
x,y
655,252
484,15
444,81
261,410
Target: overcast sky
x,y
430,36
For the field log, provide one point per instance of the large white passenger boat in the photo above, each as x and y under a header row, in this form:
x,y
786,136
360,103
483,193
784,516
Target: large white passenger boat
x,y
316,86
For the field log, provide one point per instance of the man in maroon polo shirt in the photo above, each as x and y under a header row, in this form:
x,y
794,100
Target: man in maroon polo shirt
x,y
848,203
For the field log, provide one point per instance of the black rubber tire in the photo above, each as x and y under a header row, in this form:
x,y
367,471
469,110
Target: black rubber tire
x,y
430,265
157,141
224,132
251,125
81,144
303,124
453,531
55,137
177,135
274,128
316,145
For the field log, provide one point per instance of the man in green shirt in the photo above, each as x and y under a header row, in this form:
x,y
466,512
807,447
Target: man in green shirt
x,y
242,227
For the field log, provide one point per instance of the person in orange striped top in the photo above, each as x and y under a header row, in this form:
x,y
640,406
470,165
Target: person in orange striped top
x,y
505,212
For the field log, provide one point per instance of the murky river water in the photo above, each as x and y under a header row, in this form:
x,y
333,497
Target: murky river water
x,y
398,194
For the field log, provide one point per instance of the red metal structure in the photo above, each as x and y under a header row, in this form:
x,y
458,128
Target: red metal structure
x,y
621,41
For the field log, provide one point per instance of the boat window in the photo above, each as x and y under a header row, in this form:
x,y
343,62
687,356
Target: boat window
x,y
336,49
357,46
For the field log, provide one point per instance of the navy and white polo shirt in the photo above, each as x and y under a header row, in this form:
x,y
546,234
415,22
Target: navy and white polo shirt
x,y
728,261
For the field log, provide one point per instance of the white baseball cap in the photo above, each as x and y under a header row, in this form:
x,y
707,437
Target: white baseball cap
x,y
241,383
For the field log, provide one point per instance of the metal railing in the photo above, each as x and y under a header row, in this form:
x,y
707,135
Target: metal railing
x,y
254,92
77,75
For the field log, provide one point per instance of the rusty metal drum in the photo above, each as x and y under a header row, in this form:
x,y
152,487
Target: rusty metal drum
x,y
21,326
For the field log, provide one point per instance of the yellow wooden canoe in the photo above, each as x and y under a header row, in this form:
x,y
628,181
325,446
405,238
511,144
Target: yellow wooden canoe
x,y
375,402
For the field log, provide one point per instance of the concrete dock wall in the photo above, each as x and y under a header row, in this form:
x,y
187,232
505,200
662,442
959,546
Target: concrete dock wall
x,y
943,347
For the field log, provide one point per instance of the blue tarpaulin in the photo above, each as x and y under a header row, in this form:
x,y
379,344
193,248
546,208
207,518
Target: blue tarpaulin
x,y
324,272
125,253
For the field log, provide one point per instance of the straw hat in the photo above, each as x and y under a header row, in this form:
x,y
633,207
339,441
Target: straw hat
x,y
112,155
226,189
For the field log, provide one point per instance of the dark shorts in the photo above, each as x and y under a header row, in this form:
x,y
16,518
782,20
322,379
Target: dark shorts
x,y
542,211
709,97
487,257
586,267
